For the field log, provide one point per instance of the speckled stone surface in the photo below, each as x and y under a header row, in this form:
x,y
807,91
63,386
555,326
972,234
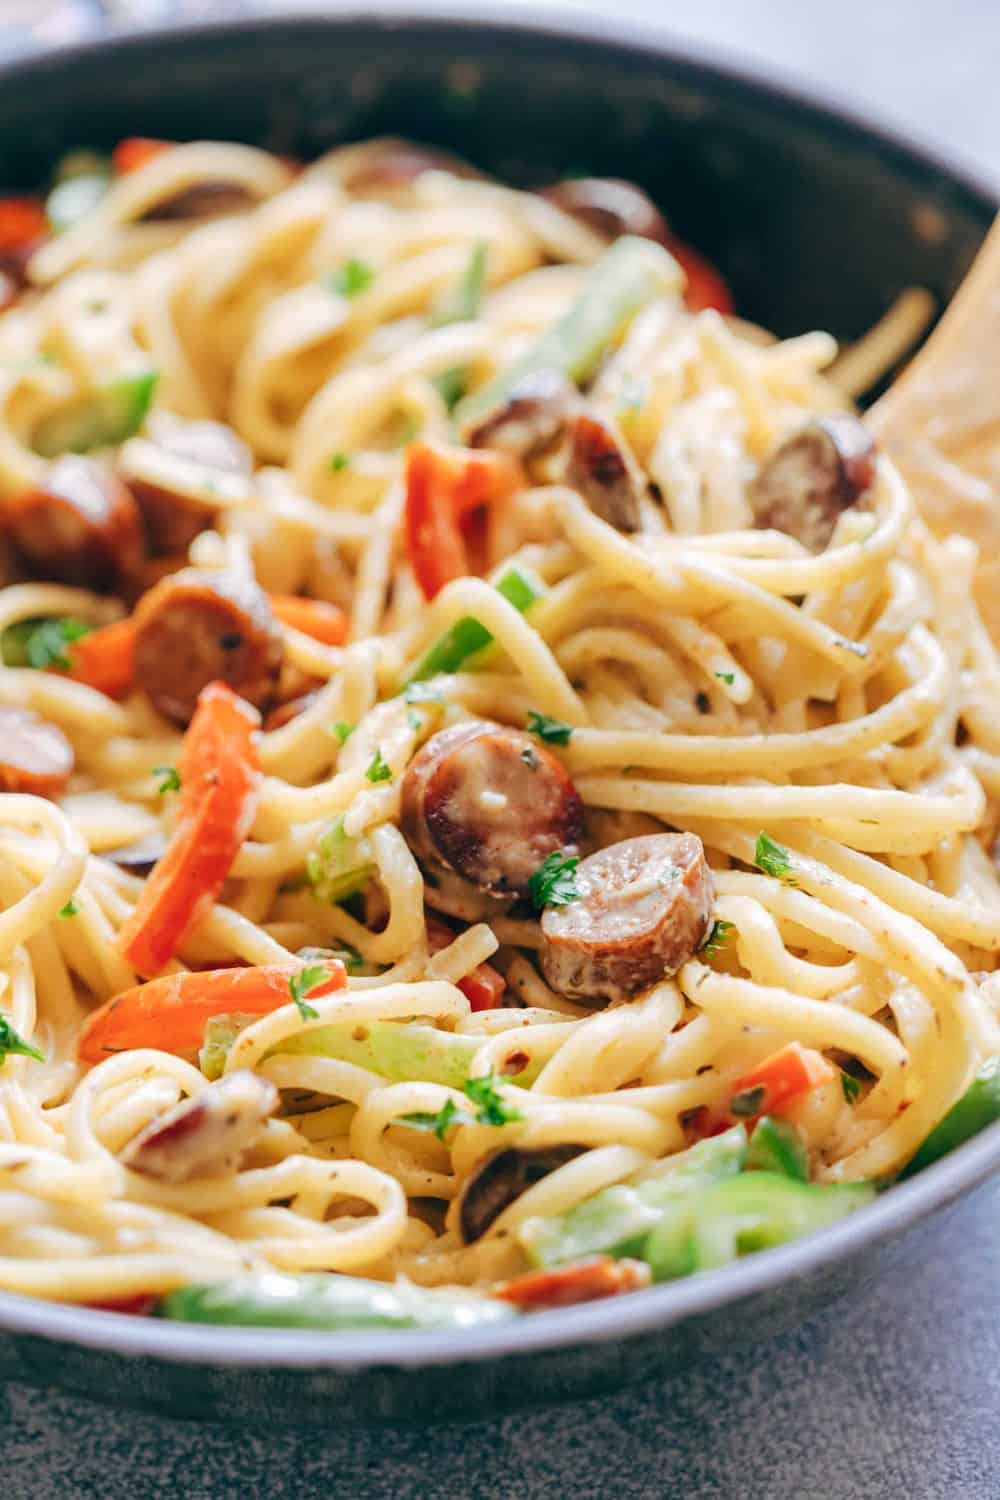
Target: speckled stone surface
x,y
894,1394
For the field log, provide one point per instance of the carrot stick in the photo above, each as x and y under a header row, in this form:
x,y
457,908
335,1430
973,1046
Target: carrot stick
x,y
443,487
105,658
220,777
313,617
22,222
484,987
135,151
784,1077
171,1013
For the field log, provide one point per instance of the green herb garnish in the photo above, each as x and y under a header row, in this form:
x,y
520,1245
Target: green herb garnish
x,y
552,730
491,1109
773,859
352,278
727,677
379,770
717,938
850,1087
70,909
303,983
11,1041
42,643
339,462
554,882
170,780
450,385
342,732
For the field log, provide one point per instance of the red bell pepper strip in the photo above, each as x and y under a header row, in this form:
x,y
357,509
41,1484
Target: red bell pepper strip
x,y
444,488
484,987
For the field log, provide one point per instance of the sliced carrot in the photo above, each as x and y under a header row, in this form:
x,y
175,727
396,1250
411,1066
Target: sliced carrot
x,y
784,1077
220,776
313,617
484,987
171,1013
444,487
706,286
105,658
583,1282
135,151
22,222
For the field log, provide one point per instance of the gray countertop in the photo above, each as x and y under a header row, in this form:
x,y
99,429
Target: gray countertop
x,y
893,1394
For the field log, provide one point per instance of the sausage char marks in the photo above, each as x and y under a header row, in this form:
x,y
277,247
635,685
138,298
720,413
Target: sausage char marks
x,y
645,906
812,477
197,627
490,803
81,526
604,472
610,207
35,756
207,1135
532,418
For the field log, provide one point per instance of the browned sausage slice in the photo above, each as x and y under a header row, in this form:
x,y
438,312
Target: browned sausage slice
x,y
645,906
601,469
533,418
610,207
502,1177
82,526
807,482
197,627
203,200
489,803
174,478
205,1136
35,756
394,166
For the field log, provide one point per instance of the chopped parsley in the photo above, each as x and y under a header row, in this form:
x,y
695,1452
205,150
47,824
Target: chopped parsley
x,y
773,859
303,983
552,730
748,1103
378,770
342,732
170,780
70,909
491,1109
339,462
554,882
850,1087
727,677
717,938
352,278
42,643
12,1041
450,385
422,692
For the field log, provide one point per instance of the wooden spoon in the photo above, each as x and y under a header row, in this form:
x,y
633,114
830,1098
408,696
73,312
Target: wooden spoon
x,y
940,422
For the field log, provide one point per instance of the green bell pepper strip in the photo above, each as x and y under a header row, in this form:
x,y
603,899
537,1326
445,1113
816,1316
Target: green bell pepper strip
x,y
714,1226
978,1107
402,1051
626,278
272,1299
461,302
618,1220
776,1146
75,198
468,636
105,417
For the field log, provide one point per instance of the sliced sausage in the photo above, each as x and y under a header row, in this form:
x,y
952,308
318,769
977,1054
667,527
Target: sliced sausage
x,y
490,803
500,1178
82,526
197,627
603,471
35,756
206,1136
174,475
533,418
807,482
645,905
585,1281
394,164
138,858
610,207
204,200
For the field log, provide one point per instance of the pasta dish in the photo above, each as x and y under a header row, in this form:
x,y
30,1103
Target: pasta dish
x,y
499,782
